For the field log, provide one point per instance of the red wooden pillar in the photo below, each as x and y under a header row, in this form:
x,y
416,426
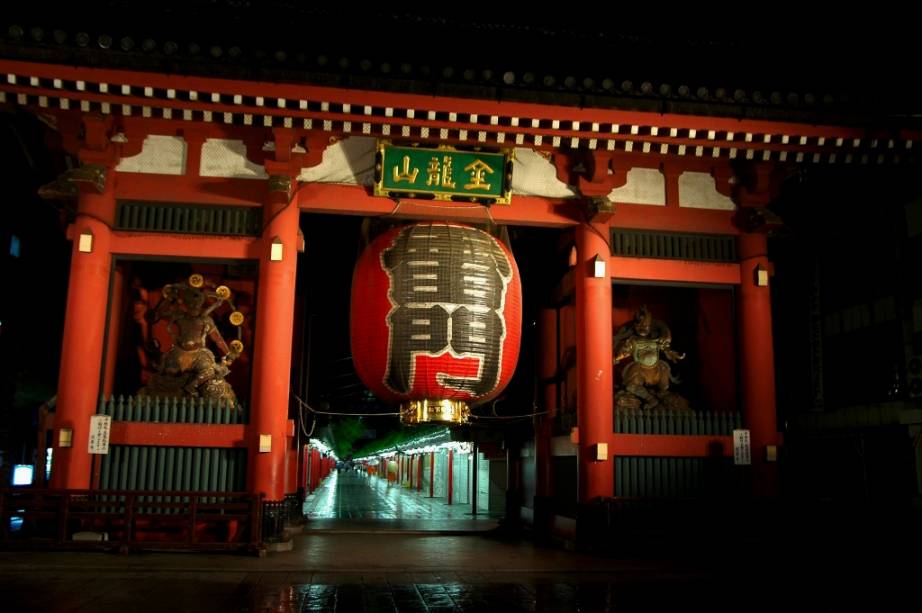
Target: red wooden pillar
x,y
431,474
85,318
593,361
419,473
450,479
272,345
757,360
305,469
315,469
291,456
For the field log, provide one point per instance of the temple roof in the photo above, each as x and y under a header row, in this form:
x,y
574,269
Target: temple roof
x,y
784,69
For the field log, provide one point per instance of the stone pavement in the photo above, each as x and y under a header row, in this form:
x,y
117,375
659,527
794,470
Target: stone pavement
x,y
350,501
472,570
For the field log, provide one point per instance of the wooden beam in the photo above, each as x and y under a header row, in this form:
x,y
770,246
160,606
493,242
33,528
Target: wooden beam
x,y
673,271
355,200
177,435
670,445
181,245
189,189
673,219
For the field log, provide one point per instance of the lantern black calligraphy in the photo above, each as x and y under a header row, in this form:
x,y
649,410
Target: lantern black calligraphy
x,y
447,289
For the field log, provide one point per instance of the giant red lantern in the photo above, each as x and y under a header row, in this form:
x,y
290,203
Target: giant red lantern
x,y
436,319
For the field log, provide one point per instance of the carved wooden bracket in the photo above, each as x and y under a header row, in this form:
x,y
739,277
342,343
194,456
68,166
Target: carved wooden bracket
x,y
593,173
599,209
601,175
293,152
281,184
88,177
757,219
750,183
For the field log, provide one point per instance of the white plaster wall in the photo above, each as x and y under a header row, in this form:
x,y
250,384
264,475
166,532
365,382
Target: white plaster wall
x,y
350,161
535,175
161,155
227,158
644,186
698,190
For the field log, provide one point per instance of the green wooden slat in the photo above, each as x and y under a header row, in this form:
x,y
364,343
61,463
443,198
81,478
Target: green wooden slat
x,y
168,467
646,477
680,477
223,481
196,483
673,476
214,484
630,485
143,472
188,467
205,474
636,477
104,471
123,467
132,468
158,465
232,469
179,479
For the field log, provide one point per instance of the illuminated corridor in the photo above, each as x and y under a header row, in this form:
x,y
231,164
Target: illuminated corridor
x,y
349,497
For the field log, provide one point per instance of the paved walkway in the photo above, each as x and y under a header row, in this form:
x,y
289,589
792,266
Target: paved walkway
x,y
366,570
350,501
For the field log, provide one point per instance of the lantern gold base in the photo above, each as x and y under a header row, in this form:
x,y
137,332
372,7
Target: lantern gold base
x,y
434,411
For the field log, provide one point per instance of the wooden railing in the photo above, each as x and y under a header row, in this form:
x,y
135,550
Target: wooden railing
x,y
173,410
130,520
661,421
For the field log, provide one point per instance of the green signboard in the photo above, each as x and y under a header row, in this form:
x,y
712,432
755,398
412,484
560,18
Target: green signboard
x,y
443,173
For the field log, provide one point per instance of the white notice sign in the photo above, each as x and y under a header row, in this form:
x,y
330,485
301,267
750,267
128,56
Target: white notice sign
x,y
99,433
742,452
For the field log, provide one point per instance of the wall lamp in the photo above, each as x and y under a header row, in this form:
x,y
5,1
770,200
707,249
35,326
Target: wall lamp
x,y
265,443
65,437
598,267
760,276
85,241
276,251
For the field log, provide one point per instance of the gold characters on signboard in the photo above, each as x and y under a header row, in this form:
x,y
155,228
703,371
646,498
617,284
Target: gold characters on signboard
x,y
477,168
440,175
406,175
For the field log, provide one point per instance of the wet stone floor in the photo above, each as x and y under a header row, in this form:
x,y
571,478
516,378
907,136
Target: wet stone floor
x,y
436,557
510,597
